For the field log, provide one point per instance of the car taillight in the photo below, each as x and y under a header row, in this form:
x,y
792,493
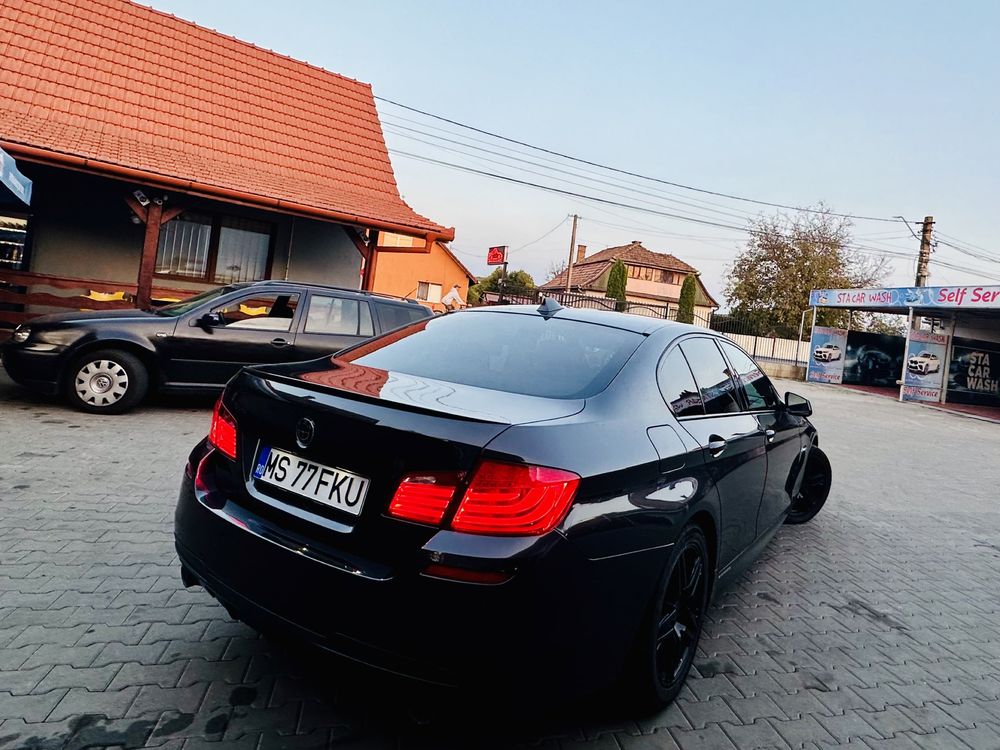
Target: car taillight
x,y
515,499
424,497
222,434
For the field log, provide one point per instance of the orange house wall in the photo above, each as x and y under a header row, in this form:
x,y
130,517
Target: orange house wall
x,y
399,273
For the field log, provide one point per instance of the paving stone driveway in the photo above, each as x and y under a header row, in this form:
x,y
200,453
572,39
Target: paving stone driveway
x,y
875,626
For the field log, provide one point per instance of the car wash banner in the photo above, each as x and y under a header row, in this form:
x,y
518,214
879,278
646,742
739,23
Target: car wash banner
x,y
826,364
926,353
974,375
945,297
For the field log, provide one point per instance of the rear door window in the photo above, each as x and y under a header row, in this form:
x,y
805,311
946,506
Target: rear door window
x,y
711,373
756,386
510,352
678,387
337,315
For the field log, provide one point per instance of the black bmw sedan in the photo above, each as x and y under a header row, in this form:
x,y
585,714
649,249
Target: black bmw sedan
x,y
543,495
106,361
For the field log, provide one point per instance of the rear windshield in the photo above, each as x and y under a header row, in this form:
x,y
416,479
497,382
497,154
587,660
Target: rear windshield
x,y
505,352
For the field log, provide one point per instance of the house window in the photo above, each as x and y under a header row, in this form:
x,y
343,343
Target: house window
x,y
428,292
13,241
222,250
644,273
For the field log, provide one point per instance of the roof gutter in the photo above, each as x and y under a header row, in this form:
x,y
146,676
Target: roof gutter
x,y
45,156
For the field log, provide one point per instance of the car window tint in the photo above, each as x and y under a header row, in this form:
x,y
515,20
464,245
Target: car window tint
x,y
393,316
711,373
262,312
505,352
760,394
678,387
348,317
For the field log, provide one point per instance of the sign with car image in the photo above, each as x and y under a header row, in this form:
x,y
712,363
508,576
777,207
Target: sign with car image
x,y
826,365
925,356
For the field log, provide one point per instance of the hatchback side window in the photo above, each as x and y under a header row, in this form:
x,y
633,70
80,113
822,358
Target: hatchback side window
x,y
678,387
711,373
261,312
760,394
347,317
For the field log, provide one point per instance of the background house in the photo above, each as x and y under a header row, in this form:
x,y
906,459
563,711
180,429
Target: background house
x,y
653,278
408,267
167,158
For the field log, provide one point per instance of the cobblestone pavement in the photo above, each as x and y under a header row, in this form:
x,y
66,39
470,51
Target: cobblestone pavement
x,y
875,626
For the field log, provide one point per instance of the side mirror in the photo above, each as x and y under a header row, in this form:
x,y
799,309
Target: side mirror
x,y
797,405
210,320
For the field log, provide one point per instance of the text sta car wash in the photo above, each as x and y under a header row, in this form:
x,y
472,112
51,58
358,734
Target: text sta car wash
x,y
957,296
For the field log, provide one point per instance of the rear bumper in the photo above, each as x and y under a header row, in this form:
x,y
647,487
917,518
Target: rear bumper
x,y
561,621
38,371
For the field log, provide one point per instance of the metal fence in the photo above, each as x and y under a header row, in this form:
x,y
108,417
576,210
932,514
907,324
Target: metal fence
x,y
762,344
592,302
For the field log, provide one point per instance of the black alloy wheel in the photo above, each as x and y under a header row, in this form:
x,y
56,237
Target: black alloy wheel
x,y
682,613
668,646
815,488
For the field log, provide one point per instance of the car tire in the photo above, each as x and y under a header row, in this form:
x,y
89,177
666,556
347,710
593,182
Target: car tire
x,y
106,381
668,641
814,490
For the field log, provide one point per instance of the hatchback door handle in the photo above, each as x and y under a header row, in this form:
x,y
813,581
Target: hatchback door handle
x,y
716,444
279,342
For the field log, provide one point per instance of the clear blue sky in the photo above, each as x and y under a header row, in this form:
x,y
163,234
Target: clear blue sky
x,y
875,108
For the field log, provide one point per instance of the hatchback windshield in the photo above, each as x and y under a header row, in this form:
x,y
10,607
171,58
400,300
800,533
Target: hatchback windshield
x,y
509,352
179,308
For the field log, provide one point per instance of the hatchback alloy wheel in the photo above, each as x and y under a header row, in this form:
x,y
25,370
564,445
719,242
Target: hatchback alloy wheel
x,y
101,382
108,381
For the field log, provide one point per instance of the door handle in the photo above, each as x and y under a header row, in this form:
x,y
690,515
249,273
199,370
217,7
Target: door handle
x,y
279,342
716,444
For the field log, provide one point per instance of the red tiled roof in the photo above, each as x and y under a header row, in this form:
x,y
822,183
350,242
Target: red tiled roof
x,y
123,89
584,274
590,269
637,255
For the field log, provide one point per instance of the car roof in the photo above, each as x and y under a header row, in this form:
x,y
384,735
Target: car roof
x,y
625,321
328,288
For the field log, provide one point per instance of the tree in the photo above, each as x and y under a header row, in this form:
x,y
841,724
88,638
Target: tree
x,y
685,308
518,283
785,258
555,268
617,278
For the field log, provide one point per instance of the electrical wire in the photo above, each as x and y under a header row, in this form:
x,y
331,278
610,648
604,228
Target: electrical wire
x,y
629,173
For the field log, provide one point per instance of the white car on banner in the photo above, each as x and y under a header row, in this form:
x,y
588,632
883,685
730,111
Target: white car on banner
x,y
923,363
828,353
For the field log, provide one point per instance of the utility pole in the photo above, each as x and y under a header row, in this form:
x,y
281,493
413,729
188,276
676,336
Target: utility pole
x,y
925,251
572,249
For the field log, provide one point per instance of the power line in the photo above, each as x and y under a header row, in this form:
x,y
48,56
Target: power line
x,y
539,239
627,172
581,173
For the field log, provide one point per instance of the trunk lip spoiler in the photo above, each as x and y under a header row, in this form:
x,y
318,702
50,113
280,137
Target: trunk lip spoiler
x,y
296,386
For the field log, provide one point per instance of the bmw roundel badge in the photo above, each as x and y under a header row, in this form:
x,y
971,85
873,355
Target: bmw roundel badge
x,y
305,431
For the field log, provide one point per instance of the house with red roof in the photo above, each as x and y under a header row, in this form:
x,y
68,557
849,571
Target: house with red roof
x,y
164,158
654,279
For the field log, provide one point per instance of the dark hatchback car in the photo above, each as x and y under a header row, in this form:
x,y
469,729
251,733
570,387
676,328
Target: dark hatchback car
x,y
545,495
106,361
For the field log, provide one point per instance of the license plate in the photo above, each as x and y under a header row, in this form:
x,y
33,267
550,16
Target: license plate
x,y
323,484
